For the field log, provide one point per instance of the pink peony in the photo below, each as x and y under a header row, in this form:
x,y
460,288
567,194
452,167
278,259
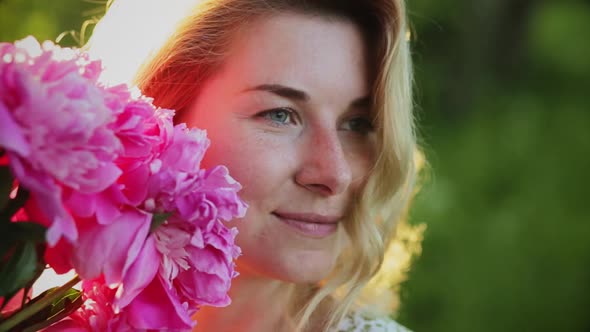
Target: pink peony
x,y
176,172
181,186
197,250
197,262
55,127
159,307
98,163
139,276
96,314
221,191
113,248
212,256
145,133
102,250
148,305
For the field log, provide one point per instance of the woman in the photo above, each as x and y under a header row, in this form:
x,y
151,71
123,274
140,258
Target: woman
x,y
308,103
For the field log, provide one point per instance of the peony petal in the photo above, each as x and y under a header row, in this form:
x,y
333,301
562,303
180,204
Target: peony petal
x,y
66,325
45,207
208,282
100,178
11,135
59,257
79,204
135,184
157,307
110,249
139,275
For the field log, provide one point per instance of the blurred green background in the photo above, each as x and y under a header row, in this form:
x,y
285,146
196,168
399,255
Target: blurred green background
x,y
504,116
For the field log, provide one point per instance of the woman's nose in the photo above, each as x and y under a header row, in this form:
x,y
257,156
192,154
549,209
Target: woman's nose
x,y
324,167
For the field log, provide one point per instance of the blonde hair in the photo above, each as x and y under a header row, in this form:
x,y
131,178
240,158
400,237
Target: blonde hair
x,y
198,47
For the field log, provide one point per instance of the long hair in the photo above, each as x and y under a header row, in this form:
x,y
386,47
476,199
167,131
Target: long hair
x,y
197,48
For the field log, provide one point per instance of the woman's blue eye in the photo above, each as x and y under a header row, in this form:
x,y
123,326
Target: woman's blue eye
x,y
279,115
360,124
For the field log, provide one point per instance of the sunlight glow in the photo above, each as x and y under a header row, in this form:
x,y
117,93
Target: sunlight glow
x,y
30,44
51,279
7,58
131,32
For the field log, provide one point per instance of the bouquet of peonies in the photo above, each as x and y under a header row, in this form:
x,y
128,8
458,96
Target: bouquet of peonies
x,y
96,179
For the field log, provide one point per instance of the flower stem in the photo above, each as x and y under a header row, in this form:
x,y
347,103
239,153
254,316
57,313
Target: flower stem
x,y
36,306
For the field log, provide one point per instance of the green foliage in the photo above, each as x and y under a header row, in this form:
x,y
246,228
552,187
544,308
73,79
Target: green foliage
x,y
47,20
558,37
18,269
158,219
507,233
502,93
47,308
5,186
11,206
60,308
18,255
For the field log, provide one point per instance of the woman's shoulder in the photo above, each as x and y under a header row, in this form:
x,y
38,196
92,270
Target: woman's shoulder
x,y
357,322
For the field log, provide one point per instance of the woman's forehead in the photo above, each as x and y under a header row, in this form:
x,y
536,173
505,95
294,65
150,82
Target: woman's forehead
x,y
309,53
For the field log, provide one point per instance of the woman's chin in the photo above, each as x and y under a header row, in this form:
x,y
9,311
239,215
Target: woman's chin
x,y
310,271
298,268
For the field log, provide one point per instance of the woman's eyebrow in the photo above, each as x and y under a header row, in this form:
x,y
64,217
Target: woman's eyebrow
x,y
362,102
301,96
281,91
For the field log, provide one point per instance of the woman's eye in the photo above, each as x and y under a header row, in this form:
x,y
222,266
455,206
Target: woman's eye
x,y
362,125
279,115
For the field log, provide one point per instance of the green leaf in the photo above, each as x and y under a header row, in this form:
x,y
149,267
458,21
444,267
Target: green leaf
x,y
65,302
58,310
13,205
47,308
6,181
15,232
7,299
20,268
21,255
158,219
39,270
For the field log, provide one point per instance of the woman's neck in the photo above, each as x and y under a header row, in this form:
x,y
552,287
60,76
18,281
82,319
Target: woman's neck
x,y
258,304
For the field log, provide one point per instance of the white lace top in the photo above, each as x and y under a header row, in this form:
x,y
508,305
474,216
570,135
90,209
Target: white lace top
x,y
358,323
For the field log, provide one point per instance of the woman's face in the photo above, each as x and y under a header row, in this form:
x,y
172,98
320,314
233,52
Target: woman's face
x,y
289,115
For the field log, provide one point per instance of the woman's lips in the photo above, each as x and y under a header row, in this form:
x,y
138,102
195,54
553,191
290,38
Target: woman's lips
x,y
310,224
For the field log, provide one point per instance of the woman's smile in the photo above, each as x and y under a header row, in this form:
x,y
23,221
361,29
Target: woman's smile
x,y
310,224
